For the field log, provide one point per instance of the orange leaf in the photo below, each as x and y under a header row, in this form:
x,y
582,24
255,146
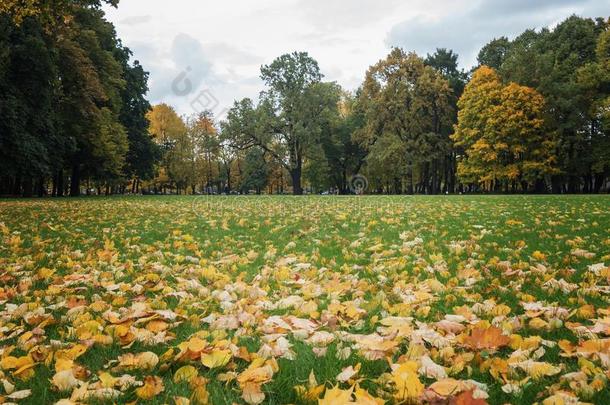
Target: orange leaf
x,y
466,398
489,338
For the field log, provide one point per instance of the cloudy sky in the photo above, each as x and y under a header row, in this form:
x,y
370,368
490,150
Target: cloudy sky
x,y
205,54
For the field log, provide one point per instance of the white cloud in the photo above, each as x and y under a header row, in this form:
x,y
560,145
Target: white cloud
x,y
225,43
467,29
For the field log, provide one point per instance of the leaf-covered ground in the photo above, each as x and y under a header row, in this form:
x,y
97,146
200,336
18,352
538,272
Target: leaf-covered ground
x,y
369,300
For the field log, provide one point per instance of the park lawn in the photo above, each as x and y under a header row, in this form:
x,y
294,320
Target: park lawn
x,y
272,299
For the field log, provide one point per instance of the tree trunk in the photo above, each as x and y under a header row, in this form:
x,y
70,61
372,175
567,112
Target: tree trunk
x,y
410,188
295,173
27,187
599,182
55,187
75,181
431,179
573,186
524,187
343,185
556,184
60,183
17,185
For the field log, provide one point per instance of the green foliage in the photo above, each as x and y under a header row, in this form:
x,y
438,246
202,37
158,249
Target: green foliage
x,y
556,63
594,82
71,99
407,105
341,157
28,136
50,12
494,53
74,111
292,115
255,172
143,152
446,62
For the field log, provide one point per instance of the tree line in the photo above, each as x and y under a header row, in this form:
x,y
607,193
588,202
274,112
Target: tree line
x,y
72,104
532,116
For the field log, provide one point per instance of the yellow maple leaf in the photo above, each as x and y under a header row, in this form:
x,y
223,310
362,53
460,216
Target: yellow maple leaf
x,y
217,358
185,373
107,380
364,398
538,369
336,396
153,386
181,401
408,386
486,338
250,380
11,362
73,353
147,360
200,392
312,391
538,255
447,387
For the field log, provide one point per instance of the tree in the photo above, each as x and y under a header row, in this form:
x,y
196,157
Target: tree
x,y
408,102
502,130
446,62
288,121
70,98
550,61
206,144
50,12
143,153
91,83
494,53
594,82
227,158
295,104
343,157
255,172
170,133
28,136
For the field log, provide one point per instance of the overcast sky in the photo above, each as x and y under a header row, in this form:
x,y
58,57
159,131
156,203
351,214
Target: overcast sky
x,y
205,54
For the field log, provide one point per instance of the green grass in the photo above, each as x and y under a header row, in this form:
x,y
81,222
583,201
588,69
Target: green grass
x,y
355,239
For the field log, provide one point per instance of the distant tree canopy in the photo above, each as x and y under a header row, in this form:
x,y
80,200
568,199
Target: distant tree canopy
x,y
292,114
73,105
407,109
532,116
563,65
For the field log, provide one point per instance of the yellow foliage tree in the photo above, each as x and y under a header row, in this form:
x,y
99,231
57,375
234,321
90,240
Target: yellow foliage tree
x,y
170,132
502,131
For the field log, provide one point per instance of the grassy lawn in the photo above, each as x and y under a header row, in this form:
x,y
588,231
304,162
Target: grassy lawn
x,y
241,299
